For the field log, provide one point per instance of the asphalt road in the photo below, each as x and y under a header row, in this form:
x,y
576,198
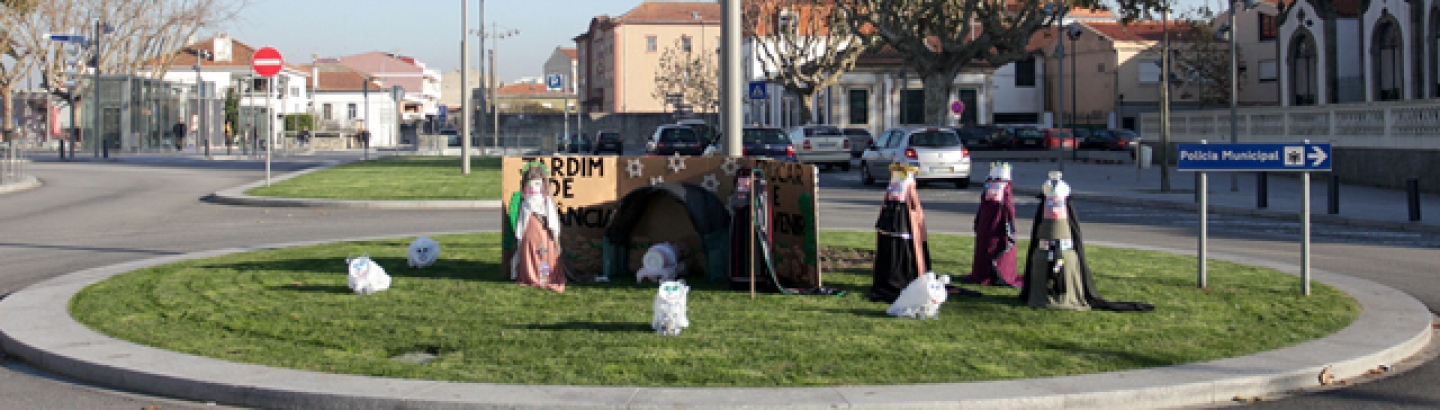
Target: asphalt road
x,y
99,213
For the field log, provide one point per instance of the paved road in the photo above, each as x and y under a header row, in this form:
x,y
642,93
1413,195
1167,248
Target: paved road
x,y
100,213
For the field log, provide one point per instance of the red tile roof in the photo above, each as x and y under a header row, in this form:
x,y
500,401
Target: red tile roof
x,y
1135,31
240,55
1347,8
672,12
529,89
568,52
339,77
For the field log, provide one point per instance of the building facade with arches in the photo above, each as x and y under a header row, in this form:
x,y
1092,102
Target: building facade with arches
x,y
1352,51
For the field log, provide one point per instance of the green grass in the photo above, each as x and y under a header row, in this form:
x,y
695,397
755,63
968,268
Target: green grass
x,y
291,308
394,178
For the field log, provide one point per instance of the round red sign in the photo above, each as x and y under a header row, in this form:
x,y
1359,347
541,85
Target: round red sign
x,y
267,62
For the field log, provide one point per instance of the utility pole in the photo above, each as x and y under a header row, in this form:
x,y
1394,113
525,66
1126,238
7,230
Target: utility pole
x,y
1165,99
732,83
484,94
465,86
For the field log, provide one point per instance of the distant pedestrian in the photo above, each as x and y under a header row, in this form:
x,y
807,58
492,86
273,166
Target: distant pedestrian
x,y
179,131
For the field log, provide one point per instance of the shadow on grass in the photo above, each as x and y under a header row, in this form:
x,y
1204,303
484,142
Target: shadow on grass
x,y
395,267
590,326
878,310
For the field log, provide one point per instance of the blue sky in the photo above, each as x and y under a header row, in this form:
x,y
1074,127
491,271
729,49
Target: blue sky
x,y
428,30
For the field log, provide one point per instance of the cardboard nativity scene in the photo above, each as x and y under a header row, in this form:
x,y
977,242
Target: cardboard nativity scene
x,y
661,219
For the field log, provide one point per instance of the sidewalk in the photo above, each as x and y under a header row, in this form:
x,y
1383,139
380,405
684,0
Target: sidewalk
x,y
1363,206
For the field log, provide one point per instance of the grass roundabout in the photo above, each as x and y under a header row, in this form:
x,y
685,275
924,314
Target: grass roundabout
x,y
394,178
291,308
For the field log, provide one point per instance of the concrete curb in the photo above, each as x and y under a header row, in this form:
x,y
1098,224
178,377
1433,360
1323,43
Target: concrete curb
x,y
35,325
1258,213
25,185
237,196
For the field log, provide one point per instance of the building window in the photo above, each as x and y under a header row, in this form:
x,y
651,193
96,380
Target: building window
x,y
1303,83
1025,72
859,106
650,44
912,106
1387,49
295,92
1269,27
1269,71
1149,71
685,44
327,111
350,109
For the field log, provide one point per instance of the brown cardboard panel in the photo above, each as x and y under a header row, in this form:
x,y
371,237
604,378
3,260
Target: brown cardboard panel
x,y
587,190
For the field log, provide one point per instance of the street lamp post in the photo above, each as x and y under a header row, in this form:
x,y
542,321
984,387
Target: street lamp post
x,y
465,86
495,35
1234,82
100,30
202,127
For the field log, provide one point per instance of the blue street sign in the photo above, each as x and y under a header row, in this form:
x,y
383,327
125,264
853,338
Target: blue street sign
x,y
758,90
554,82
67,38
444,113
1254,157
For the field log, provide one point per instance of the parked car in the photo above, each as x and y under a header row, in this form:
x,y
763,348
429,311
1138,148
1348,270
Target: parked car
x,y
452,137
609,141
1024,137
859,139
706,133
1082,134
580,144
767,142
821,145
672,139
937,152
1113,140
1058,138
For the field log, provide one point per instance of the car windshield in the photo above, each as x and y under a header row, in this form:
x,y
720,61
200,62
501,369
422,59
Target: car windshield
x,y
822,131
1126,134
934,139
609,137
765,136
1027,133
856,131
678,135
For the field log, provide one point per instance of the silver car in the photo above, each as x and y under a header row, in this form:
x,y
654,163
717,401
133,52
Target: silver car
x,y
821,145
937,152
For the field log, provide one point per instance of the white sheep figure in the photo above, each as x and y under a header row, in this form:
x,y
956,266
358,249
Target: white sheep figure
x,y
366,276
661,263
424,252
922,298
670,306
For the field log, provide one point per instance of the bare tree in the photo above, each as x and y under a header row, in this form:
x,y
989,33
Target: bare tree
x,y
16,56
694,76
803,45
1203,69
132,34
940,38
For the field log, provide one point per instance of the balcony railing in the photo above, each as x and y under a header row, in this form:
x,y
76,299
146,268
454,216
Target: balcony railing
x,y
1393,125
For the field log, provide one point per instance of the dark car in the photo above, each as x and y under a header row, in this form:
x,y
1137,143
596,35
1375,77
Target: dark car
x,y
859,139
673,139
452,137
1058,138
579,144
1024,137
767,142
976,138
1112,140
609,141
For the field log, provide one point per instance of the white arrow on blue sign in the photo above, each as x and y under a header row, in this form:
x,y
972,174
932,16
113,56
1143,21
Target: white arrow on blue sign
x,y
1253,157
66,38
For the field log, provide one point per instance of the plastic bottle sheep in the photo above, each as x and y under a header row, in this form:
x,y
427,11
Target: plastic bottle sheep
x,y
670,307
366,276
423,252
922,298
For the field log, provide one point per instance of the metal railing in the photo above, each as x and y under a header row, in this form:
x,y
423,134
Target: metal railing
x,y
1392,125
12,164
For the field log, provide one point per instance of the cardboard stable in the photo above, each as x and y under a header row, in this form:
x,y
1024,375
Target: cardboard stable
x,y
587,190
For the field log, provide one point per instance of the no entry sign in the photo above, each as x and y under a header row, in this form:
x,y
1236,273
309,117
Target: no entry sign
x,y
267,62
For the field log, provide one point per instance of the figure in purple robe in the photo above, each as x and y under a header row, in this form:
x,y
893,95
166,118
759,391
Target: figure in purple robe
x,y
994,261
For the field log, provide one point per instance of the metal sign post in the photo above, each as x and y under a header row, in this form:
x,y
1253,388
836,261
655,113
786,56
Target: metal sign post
x,y
1303,157
267,62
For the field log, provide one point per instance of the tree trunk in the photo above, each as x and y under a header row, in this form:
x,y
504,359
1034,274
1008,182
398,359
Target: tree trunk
x,y
938,86
7,127
807,107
